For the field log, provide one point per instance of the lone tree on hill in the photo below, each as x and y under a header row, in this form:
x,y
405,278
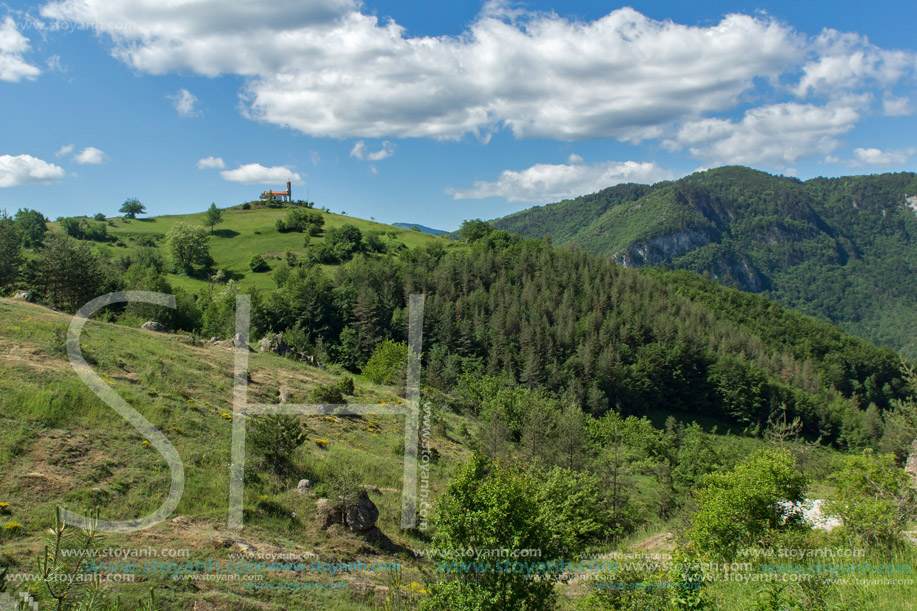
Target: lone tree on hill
x,y
188,245
132,207
214,216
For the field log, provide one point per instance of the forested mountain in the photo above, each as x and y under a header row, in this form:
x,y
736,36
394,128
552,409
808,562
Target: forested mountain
x,y
841,249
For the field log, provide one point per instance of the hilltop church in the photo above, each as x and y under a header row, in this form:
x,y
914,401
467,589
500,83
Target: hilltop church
x,y
283,196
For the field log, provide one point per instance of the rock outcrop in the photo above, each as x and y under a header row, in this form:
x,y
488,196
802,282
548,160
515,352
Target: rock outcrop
x,y
359,516
274,344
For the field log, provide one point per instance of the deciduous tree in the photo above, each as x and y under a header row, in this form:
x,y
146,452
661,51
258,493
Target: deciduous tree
x,y
188,245
213,216
132,207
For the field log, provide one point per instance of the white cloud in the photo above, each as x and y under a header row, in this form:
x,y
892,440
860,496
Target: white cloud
x,y
16,170
184,102
326,69
846,61
574,158
874,156
90,155
359,151
209,163
546,182
774,135
64,150
13,45
538,74
896,107
255,173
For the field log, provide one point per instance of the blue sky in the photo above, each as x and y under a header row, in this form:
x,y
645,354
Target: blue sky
x,y
437,112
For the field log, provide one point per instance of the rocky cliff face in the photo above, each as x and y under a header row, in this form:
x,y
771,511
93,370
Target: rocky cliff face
x,y
743,274
661,248
911,202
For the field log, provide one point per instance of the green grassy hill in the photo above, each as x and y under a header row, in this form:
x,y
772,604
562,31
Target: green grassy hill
x,y
60,445
244,233
841,249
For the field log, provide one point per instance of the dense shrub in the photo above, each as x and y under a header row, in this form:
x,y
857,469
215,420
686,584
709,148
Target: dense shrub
x,y
328,395
387,364
273,438
742,507
301,220
875,498
257,264
83,229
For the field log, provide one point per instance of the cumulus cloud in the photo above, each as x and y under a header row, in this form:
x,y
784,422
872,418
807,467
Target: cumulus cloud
x,y
540,75
255,173
359,151
326,69
64,150
13,46
209,163
184,102
90,155
16,170
874,156
777,135
847,61
551,182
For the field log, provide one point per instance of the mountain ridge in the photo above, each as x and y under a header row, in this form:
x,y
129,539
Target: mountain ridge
x,y
841,249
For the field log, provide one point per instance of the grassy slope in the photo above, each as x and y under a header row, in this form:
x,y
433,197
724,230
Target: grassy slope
x,y
61,444
244,233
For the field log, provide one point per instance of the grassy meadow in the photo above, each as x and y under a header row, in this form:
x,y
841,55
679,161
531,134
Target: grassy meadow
x,y
244,233
60,445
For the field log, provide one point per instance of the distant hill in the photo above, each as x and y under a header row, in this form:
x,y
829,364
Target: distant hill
x,y
247,232
423,228
842,249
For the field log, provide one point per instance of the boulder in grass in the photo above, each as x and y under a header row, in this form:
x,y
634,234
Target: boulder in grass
x,y
304,487
326,514
239,342
362,515
153,326
359,515
23,295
